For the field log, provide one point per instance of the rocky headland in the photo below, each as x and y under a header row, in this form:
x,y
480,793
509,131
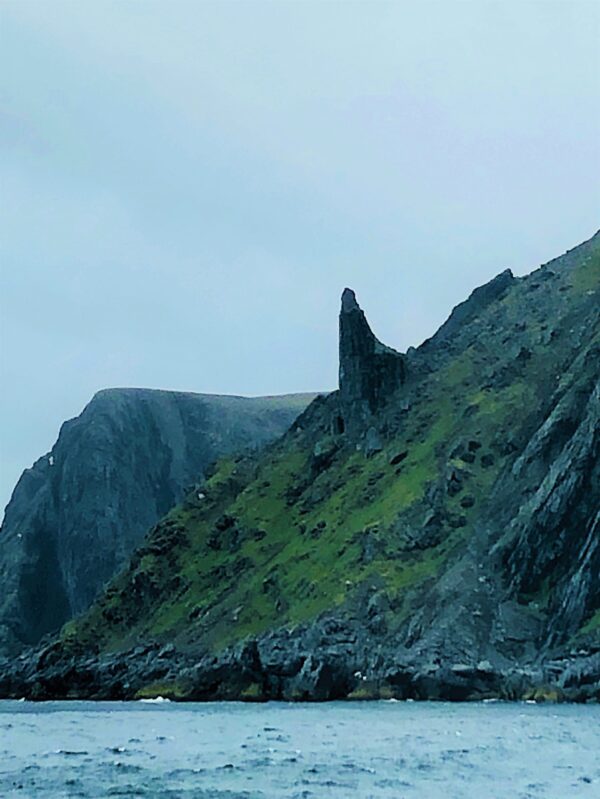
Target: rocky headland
x,y
431,530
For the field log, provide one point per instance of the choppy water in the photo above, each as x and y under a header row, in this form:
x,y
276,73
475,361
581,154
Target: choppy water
x,y
387,750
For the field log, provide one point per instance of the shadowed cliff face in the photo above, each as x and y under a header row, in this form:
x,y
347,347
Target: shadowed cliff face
x,y
370,372
430,530
78,513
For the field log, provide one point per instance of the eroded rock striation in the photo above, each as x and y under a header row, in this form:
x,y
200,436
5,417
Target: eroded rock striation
x,y
369,371
430,530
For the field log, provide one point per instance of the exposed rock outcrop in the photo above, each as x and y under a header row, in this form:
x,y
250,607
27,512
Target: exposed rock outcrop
x,y
369,371
473,306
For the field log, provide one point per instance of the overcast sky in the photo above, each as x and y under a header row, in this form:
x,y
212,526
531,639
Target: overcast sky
x,y
188,186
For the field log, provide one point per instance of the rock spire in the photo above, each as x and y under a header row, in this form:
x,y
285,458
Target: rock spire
x,y
369,371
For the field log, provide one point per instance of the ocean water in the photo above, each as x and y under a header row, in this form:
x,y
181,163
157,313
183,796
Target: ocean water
x,y
387,750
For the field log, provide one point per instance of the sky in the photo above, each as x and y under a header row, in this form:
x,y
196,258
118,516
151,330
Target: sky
x,y
187,187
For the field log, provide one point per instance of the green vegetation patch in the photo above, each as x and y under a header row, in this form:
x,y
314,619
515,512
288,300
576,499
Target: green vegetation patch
x,y
173,690
592,625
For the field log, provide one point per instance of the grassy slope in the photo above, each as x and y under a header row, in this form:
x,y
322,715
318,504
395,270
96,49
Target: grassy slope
x,y
278,541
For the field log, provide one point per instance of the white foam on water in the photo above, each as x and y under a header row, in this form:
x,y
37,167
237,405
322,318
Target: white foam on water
x,y
156,701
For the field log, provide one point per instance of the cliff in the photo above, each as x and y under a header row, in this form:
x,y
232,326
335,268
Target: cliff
x,y
77,515
429,531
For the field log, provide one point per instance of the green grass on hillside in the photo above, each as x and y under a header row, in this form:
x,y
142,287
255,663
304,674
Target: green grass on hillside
x,y
278,541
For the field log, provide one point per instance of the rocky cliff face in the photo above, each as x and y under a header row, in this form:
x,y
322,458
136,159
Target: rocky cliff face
x,y
369,373
430,531
76,516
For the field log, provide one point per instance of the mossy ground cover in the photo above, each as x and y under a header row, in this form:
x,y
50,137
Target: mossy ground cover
x,y
586,276
308,560
592,625
172,690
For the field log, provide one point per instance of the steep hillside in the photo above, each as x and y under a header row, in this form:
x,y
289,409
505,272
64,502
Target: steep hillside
x,y
429,530
76,516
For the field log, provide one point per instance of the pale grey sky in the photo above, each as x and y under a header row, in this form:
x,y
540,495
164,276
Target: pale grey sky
x,y
188,186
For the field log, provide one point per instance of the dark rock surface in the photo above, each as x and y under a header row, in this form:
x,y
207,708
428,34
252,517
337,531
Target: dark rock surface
x,y
78,513
471,308
369,371
334,658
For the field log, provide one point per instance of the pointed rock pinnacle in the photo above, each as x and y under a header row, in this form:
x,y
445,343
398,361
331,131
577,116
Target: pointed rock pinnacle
x,y
369,371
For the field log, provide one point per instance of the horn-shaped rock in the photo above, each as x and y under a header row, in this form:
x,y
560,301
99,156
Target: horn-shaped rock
x,y
370,372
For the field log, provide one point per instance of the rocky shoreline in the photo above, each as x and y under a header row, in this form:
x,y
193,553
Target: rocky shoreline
x,y
331,660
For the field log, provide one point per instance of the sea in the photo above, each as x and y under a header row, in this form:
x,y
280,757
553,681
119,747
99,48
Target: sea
x,y
387,749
